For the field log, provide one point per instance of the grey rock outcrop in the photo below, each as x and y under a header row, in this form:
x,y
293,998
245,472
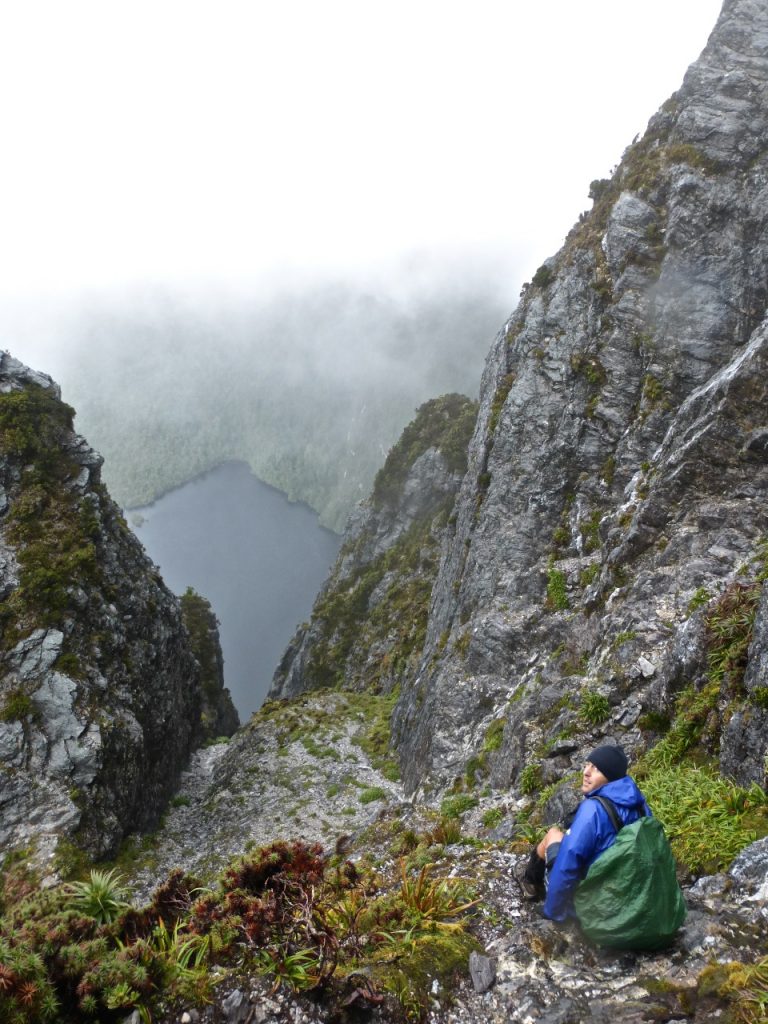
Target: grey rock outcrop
x,y
367,625
100,693
617,475
218,715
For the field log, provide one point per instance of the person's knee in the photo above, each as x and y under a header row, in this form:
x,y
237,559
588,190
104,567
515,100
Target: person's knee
x,y
554,835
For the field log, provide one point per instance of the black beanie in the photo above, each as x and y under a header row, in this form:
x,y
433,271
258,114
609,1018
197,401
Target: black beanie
x,y
611,761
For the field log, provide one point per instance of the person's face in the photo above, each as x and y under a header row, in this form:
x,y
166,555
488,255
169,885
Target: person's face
x,y
591,778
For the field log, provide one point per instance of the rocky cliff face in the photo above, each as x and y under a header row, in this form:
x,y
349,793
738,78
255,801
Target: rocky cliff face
x,y
614,507
100,692
597,569
368,623
602,571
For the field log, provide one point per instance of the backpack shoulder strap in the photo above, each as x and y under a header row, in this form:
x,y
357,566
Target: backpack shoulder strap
x,y
610,810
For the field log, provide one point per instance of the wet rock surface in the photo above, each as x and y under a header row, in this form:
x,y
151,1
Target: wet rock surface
x,y
367,624
617,469
100,693
258,789
534,970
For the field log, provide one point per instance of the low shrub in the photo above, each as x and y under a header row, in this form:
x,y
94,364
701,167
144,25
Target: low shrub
x,y
76,952
455,805
372,793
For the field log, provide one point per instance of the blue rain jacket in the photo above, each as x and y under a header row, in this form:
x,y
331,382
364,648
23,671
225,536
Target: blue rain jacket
x,y
590,834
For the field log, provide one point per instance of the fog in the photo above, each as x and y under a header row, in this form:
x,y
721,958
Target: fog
x,y
268,232
309,385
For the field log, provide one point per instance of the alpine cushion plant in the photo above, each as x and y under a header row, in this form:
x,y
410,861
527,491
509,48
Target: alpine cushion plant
x,y
101,897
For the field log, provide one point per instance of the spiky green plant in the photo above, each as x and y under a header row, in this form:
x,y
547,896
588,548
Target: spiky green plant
x,y
102,896
434,899
454,806
595,708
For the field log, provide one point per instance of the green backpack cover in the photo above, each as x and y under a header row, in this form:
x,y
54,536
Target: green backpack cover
x,y
630,898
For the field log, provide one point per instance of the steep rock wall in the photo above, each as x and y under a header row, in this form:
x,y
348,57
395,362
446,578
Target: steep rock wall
x,y
617,477
368,623
100,693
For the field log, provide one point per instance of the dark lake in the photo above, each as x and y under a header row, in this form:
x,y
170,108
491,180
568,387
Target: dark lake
x,y
258,558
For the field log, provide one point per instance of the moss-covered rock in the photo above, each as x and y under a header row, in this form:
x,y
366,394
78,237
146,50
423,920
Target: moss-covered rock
x,y
368,624
100,694
219,716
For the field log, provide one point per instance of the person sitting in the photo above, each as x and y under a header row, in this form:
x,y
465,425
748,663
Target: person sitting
x,y
562,859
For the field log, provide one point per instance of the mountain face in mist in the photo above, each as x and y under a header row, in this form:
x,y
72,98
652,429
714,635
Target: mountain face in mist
x,y
591,568
310,388
368,623
613,513
101,695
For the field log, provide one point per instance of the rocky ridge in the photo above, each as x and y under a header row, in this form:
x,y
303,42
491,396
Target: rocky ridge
x,y
602,576
299,769
367,625
100,694
617,475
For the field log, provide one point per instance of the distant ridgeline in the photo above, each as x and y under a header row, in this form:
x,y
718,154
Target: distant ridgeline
x,y
310,390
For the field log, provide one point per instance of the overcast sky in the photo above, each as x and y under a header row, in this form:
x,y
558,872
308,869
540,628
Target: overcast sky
x,y
189,141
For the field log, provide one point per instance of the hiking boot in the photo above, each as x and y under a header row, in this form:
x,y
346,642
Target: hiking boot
x,y
530,890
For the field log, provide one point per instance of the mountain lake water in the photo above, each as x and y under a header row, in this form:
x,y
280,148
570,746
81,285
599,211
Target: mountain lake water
x,y
257,557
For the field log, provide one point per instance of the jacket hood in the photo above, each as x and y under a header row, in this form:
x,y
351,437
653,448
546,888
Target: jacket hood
x,y
623,792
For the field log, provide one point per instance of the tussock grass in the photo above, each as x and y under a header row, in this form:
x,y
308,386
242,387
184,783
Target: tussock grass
x,y
708,818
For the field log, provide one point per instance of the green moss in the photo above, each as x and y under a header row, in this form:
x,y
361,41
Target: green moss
x,y
478,764
372,793
743,985
622,638
561,536
499,399
700,597
494,735
70,665
17,705
589,574
590,531
685,153
374,733
440,956
557,596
